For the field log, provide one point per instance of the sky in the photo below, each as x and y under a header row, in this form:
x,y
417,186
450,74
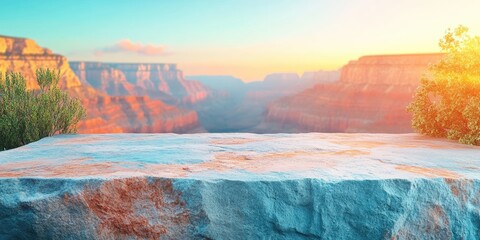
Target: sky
x,y
243,38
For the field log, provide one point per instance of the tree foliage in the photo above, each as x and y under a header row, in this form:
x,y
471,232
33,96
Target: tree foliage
x,y
447,103
29,115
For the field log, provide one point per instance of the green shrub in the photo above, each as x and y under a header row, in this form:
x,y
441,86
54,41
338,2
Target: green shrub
x,y
29,115
447,103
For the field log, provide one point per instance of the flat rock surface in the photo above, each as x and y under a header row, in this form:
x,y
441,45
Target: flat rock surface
x,y
240,186
243,156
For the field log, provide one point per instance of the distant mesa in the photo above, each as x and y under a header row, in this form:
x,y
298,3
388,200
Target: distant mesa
x,y
159,81
401,69
370,96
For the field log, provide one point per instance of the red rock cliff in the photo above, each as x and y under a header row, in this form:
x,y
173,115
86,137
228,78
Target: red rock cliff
x,y
159,81
403,69
371,96
105,114
24,55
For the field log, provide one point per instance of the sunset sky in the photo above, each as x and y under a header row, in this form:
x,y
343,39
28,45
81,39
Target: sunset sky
x,y
245,38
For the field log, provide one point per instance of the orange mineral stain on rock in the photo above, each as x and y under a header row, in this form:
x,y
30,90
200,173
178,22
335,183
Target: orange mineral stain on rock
x,y
439,219
221,161
138,207
351,152
433,222
428,172
24,168
230,156
193,155
362,144
460,188
251,162
48,168
234,141
84,140
271,162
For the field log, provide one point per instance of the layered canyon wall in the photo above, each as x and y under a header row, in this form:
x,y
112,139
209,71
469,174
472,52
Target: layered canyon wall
x,y
159,81
367,95
25,56
105,113
371,96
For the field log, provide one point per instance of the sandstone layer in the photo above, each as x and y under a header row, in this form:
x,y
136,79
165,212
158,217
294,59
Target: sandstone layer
x,y
25,56
105,113
240,186
371,96
161,81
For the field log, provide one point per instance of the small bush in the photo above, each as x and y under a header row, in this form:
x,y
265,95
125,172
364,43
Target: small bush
x,y
447,103
29,115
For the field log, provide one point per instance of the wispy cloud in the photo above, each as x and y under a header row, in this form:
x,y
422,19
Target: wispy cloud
x,y
127,46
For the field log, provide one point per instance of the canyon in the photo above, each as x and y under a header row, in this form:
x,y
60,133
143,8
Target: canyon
x,y
240,186
237,106
366,95
105,113
371,96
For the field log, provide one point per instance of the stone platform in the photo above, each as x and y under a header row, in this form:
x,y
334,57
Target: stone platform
x,y
240,186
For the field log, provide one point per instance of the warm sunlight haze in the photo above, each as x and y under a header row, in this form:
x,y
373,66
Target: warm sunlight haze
x,y
248,39
240,119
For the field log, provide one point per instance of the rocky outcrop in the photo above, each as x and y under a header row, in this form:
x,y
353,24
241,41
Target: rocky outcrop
x,y
403,69
25,56
371,96
160,81
240,186
104,113
21,46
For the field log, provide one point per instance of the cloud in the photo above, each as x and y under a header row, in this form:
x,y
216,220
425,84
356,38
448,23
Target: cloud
x,y
127,46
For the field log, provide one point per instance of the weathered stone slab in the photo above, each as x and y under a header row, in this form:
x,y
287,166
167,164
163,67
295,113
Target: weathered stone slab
x,y
240,186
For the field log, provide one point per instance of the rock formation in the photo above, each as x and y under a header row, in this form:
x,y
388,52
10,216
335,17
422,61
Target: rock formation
x,y
136,114
104,113
240,186
25,56
236,106
159,81
371,96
